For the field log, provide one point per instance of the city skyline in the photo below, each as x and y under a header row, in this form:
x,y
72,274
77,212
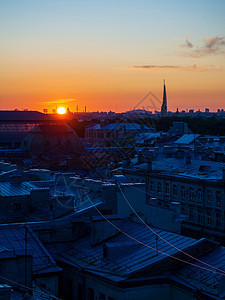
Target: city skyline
x,y
108,55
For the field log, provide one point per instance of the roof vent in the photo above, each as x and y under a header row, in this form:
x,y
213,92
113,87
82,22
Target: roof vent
x,y
112,251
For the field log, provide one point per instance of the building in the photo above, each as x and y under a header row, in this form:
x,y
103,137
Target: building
x,y
25,262
198,185
111,134
164,104
15,125
118,260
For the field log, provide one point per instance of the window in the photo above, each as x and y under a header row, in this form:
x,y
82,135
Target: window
x,y
101,296
104,252
218,198
218,219
79,291
191,193
17,206
175,191
191,215
183,192
208,218
60,285
91,294
70,289
159,188
209,197
183,211
200,218
200,195
167,189
151,186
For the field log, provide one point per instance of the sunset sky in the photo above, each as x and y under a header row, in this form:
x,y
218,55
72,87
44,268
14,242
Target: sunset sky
x,y
107,54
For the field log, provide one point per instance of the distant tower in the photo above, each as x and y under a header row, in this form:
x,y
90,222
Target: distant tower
x,y
164,104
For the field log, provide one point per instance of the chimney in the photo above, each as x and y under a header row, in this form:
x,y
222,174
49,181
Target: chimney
x,y
109,196
102,227
112,251
176,207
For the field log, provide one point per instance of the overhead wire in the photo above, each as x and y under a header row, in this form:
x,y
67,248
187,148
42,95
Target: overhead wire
x,y
31,289
159,236
221,272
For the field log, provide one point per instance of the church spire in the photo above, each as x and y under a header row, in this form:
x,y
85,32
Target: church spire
x,y
164,104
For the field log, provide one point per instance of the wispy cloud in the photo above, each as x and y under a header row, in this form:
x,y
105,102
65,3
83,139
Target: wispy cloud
x,y
187,44
155,67
59,101
194,67
211,46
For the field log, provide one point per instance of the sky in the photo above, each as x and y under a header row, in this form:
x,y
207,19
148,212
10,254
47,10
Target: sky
x,y
108,54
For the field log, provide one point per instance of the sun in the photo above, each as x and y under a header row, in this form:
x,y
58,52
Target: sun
x,y
61,110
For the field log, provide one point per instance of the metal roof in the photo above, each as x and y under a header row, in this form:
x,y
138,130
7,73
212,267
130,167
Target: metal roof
x,y
7,189
23,116
187,139
128,126
13,238
81,252
197,168
203,279
117,126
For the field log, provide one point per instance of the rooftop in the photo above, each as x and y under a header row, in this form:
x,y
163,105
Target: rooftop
x,y
8,189
13,115
82,253
12,237
201,169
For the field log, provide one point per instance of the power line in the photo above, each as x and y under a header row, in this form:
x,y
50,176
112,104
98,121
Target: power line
x,y
159,251
31,289
165,239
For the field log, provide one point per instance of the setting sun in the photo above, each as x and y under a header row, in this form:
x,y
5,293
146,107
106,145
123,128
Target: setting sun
x,y
61,110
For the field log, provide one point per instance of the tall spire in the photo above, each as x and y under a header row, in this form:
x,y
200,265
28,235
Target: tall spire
x,y
164,104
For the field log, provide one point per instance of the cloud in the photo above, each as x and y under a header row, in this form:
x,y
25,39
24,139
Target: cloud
x,y
155,67
59,101
211,46
194,67
187,44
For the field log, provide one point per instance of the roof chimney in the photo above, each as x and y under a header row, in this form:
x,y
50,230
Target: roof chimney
x,y
104,227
